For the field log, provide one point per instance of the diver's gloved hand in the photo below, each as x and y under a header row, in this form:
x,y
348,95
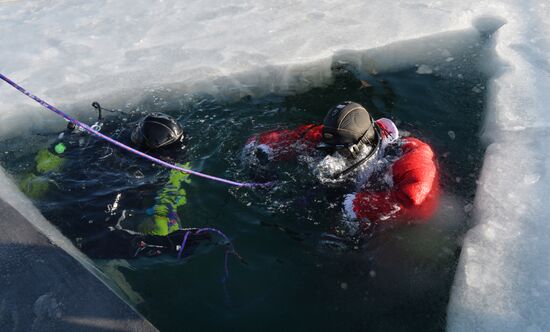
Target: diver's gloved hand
x,y
262,157
259,167
112,243
256,160
117,243
193,239
155,245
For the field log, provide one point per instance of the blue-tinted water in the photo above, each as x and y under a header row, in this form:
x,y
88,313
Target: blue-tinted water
x,y
398,280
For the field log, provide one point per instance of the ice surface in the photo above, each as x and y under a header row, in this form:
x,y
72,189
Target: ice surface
x,y
119,51
10,194
116,50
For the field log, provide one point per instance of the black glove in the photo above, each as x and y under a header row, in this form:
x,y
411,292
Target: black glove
x,y
123,244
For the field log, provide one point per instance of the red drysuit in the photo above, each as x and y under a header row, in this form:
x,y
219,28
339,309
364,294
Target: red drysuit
x,y
412,193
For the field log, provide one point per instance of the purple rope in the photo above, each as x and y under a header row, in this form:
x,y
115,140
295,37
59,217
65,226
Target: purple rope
x,y
214,230
125,147
227,252
183,244
226,268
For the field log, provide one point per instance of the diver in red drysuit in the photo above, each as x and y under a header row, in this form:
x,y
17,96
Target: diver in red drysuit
x,y
397,178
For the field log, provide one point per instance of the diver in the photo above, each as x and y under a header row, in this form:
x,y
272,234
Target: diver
x,y
161,232
395,179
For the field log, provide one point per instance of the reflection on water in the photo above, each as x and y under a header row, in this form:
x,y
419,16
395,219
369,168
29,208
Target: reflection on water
x,y
397,280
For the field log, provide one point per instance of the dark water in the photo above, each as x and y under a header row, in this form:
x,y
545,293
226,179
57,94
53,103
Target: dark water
x,y
398,281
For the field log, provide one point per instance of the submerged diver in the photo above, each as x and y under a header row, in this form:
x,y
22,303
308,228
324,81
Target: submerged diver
x,y
396,178
160,233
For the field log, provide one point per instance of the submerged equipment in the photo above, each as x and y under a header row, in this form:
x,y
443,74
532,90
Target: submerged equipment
x,y
60,148
347,128
123,146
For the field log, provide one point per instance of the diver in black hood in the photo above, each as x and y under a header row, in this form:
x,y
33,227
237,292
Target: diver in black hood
x,y
162,233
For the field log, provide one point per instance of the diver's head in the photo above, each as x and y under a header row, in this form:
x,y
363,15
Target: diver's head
x,y
347,128
158,130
